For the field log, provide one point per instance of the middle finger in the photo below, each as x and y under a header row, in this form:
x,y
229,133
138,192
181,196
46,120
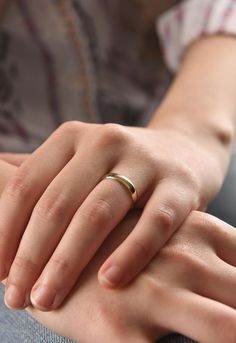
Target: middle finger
x,y
101,211
50,218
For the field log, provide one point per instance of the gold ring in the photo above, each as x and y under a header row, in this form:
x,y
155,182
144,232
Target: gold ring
x,y
125,182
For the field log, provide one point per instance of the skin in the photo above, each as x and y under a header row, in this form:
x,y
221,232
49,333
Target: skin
x,y
66,228
188,287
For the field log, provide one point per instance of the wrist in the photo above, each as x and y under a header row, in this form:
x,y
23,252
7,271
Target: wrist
x,y
216,138
197,125
201,100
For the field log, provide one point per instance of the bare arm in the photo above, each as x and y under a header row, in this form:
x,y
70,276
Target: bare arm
x,y
201,100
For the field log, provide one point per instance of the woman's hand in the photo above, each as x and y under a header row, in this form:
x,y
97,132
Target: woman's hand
x,y
56,210
189,287
13,159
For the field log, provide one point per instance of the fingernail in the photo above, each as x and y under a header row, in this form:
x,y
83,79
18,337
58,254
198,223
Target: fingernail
x,y
111,276
43,297
15,298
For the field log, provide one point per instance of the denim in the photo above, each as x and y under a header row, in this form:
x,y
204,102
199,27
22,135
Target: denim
x,y
20,327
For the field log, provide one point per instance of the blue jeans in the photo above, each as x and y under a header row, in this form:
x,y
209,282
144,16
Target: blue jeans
x,y
20,327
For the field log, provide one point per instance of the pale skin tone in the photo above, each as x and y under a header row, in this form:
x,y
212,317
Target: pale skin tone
x,y
189,287
56,211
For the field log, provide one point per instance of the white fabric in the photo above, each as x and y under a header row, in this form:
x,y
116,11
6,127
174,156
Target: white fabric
x,y
189,20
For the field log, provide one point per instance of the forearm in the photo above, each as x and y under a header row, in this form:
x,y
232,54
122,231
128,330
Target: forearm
x,y
202,97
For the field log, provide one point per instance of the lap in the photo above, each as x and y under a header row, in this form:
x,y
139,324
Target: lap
x,y
19,326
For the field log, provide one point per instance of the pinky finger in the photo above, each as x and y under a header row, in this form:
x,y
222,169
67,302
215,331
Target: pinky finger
x,y
165,211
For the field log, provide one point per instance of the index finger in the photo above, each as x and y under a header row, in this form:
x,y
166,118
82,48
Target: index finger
x,y
22,192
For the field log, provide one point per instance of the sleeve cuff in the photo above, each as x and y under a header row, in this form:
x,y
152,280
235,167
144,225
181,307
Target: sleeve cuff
x,y
191,19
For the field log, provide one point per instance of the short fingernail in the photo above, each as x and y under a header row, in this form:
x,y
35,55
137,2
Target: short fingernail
x,y
43,297
111,276
15,298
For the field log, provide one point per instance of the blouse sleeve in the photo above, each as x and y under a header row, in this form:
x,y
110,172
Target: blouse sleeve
x,y
191,19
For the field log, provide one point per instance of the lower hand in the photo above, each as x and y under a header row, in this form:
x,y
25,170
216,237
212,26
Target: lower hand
x,y
189,287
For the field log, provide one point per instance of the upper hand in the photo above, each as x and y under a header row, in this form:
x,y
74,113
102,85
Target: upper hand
x,y
56,211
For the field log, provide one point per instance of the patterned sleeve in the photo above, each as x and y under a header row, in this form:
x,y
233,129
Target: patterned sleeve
x,y
191,19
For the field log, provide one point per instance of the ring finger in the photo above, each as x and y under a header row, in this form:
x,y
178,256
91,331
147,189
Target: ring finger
x,y
167,207
101,211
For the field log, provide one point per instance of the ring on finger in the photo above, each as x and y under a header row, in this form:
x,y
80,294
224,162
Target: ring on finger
x,y
126,182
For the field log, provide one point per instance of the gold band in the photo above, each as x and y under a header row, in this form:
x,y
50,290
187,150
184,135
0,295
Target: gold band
x,y
125,182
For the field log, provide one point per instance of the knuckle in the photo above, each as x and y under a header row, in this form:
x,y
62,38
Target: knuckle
x,y
182,252
191,263
114,134
193,218
187,172
98,213
175,251
62,265
139,250
188,177
203,223
51,206
19,187
70,132
26,264
195,221
164,217
70,127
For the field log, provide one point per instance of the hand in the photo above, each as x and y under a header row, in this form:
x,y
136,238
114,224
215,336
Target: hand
x,y
189,287
56,211
13,159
